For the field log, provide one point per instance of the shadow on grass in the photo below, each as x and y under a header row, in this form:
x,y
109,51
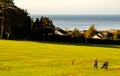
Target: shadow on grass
x,y
80,44
74,43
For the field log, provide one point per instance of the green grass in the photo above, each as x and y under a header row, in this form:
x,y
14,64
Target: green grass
x,y
25,58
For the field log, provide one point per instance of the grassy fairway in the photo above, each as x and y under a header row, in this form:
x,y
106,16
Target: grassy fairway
x,y
24,58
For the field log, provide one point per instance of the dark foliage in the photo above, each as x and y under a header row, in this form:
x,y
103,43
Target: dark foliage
x,y
106,41
42,27
16,23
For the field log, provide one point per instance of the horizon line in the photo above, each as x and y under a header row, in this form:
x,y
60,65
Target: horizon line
x,y
74,14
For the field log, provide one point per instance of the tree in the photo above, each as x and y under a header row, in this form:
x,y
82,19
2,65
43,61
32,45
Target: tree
x,y
35,29
17,21
90,32
115,35
75,33
7,2
3,6
46,26
43,26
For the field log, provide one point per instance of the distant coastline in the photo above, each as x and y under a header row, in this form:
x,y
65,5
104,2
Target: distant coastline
x,y
82,22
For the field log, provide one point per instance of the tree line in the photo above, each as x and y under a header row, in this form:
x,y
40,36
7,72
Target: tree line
x,y
16,23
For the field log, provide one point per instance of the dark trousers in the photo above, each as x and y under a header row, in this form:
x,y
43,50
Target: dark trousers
x,y
95,66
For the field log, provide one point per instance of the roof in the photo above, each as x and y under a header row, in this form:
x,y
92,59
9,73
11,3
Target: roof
x,y
60,31
98,36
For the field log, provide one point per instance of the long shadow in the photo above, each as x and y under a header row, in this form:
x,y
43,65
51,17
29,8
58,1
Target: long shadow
x,y
80,44
73,43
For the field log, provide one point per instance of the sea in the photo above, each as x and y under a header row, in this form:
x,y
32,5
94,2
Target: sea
x,y
83,22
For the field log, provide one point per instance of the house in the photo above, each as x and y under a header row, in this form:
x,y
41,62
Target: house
x,y
98,36
60,31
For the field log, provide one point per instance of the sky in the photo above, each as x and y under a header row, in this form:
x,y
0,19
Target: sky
x,y
70,6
